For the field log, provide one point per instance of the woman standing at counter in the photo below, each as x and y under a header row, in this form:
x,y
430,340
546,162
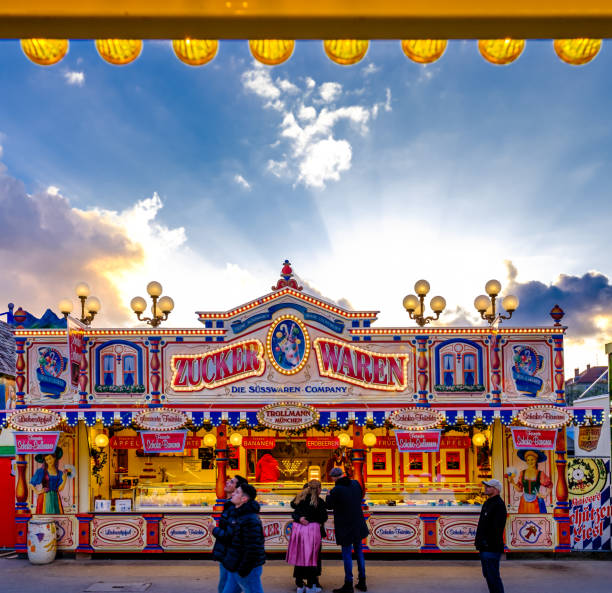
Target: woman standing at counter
x,y
309,518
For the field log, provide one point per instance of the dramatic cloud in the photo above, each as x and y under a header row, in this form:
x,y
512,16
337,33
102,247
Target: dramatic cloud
x,y
75,78
313,154
48,246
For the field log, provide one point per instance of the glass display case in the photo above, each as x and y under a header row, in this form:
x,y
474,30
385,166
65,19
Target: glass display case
x,y
168,496
424,494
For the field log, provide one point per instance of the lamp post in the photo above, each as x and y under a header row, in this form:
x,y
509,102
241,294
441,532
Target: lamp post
x,y
486,305
160,308
89,304
415,304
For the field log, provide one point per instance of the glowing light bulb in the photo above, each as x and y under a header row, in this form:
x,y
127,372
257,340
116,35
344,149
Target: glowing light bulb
x,y
344,439
479,439
369,439
271,51
501,51
346,51
210,440
101,440
577,51
44,52
195,52
235,439
424,51
119,51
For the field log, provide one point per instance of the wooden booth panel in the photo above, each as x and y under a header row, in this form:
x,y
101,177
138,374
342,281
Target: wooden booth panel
x,y
530,532
457,533
122,533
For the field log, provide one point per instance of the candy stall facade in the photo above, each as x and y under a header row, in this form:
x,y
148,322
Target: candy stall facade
x,y
126,436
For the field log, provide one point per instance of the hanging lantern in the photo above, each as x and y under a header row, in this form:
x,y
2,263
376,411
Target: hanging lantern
x,y
45,52
369,439
119,51
424,51
501,51
195,52
346,51
235,439
344,439
210,440
577,51
101,440
271,51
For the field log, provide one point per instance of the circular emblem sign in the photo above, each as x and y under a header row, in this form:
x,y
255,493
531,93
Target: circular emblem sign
x,y
165,419
288,416
544,417
416,418
288,345
585,475
34,420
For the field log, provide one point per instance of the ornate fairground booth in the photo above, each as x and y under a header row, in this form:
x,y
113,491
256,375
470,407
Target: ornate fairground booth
x,y
126,436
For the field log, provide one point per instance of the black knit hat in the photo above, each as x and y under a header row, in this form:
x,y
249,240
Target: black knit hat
x,y
248,490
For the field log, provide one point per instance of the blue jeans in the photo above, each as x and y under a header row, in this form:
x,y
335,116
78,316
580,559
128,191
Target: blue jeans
x,y
490,571
251,583
348,561
223,579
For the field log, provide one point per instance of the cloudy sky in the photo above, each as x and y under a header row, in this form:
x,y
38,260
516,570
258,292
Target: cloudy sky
x,y
366,177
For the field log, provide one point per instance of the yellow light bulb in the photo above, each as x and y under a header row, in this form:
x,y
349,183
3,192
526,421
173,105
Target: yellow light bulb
x,y
271,51
346,51
479,439
119,51
210,440
344,439
101,440
501,51
369,439
577,51
195,52
235,439
424,51
45,52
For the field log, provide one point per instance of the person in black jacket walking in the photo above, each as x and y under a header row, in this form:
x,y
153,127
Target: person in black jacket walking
x,y
221,532
245,555
349,525
490,535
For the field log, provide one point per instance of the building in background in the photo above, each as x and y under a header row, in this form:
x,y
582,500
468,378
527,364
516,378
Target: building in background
x,y
594,379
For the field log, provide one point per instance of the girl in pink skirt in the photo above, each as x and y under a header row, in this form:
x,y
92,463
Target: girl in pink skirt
x,y
309,517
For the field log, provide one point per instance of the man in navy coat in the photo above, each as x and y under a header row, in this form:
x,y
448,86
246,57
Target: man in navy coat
x,y
349,523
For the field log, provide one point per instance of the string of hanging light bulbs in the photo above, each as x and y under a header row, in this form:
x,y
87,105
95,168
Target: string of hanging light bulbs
x,y
197,52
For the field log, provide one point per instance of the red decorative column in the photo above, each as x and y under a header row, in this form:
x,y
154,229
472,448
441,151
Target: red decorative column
x,y
83,378
22,511
561,511
495,371
558,364
152,533
221,462
422,365
84,539
20,367
155,366
430,532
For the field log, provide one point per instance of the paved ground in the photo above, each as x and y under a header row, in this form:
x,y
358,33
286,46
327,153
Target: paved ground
x,y
384,576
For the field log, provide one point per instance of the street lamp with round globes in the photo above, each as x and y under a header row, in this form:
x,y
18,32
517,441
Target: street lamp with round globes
x,y
369,439
415,305
210,440
160,309
235,439
101,440
90,305
344,439
486,305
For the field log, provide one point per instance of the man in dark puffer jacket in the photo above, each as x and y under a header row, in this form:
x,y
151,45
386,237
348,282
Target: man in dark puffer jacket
x,y
222,533
245,553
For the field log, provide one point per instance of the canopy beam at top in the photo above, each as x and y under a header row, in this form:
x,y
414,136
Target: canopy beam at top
x,y
305,19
